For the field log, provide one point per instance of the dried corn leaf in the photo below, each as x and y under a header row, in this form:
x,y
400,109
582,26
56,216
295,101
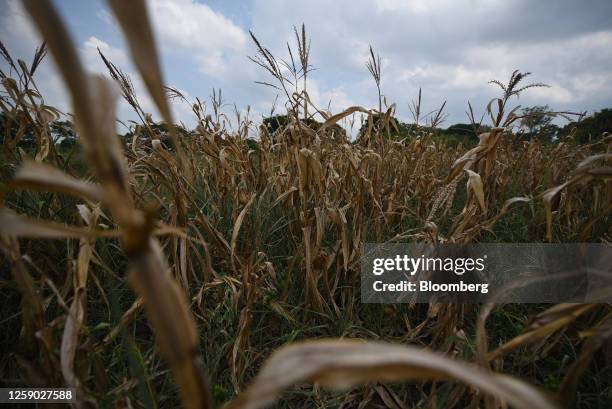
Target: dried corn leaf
x,y
335,118
13,224
596,337
544,325
74,320
238,224
474,184
94,104
343,364
133,18
39,176
175,331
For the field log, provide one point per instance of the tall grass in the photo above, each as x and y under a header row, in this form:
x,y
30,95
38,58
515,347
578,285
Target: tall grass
x,y
235,247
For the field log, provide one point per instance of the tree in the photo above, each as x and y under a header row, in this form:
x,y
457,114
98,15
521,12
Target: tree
x,y
590,128
63,133
159,130
536,121
466,130
275,123
16,131
397,129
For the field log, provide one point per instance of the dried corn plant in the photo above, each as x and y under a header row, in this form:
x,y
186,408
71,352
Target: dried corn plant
x,y
235,246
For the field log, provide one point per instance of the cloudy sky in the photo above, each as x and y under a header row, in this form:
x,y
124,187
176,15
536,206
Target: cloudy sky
x,y
449,48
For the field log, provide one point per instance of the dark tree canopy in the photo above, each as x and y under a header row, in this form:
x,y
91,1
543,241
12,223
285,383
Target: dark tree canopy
x,y
590,128
536,122
276,122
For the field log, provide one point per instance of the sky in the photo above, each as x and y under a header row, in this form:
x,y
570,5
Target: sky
x,y
448,48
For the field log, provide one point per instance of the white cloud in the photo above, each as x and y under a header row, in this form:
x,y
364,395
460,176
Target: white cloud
x,y
413,6
195,29
593,82
21,39
555,94
17,30
92,60
335,98
449,48
93,63
107,17
447,77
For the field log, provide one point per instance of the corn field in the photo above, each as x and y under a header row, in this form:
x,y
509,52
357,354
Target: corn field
x,y
211,269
